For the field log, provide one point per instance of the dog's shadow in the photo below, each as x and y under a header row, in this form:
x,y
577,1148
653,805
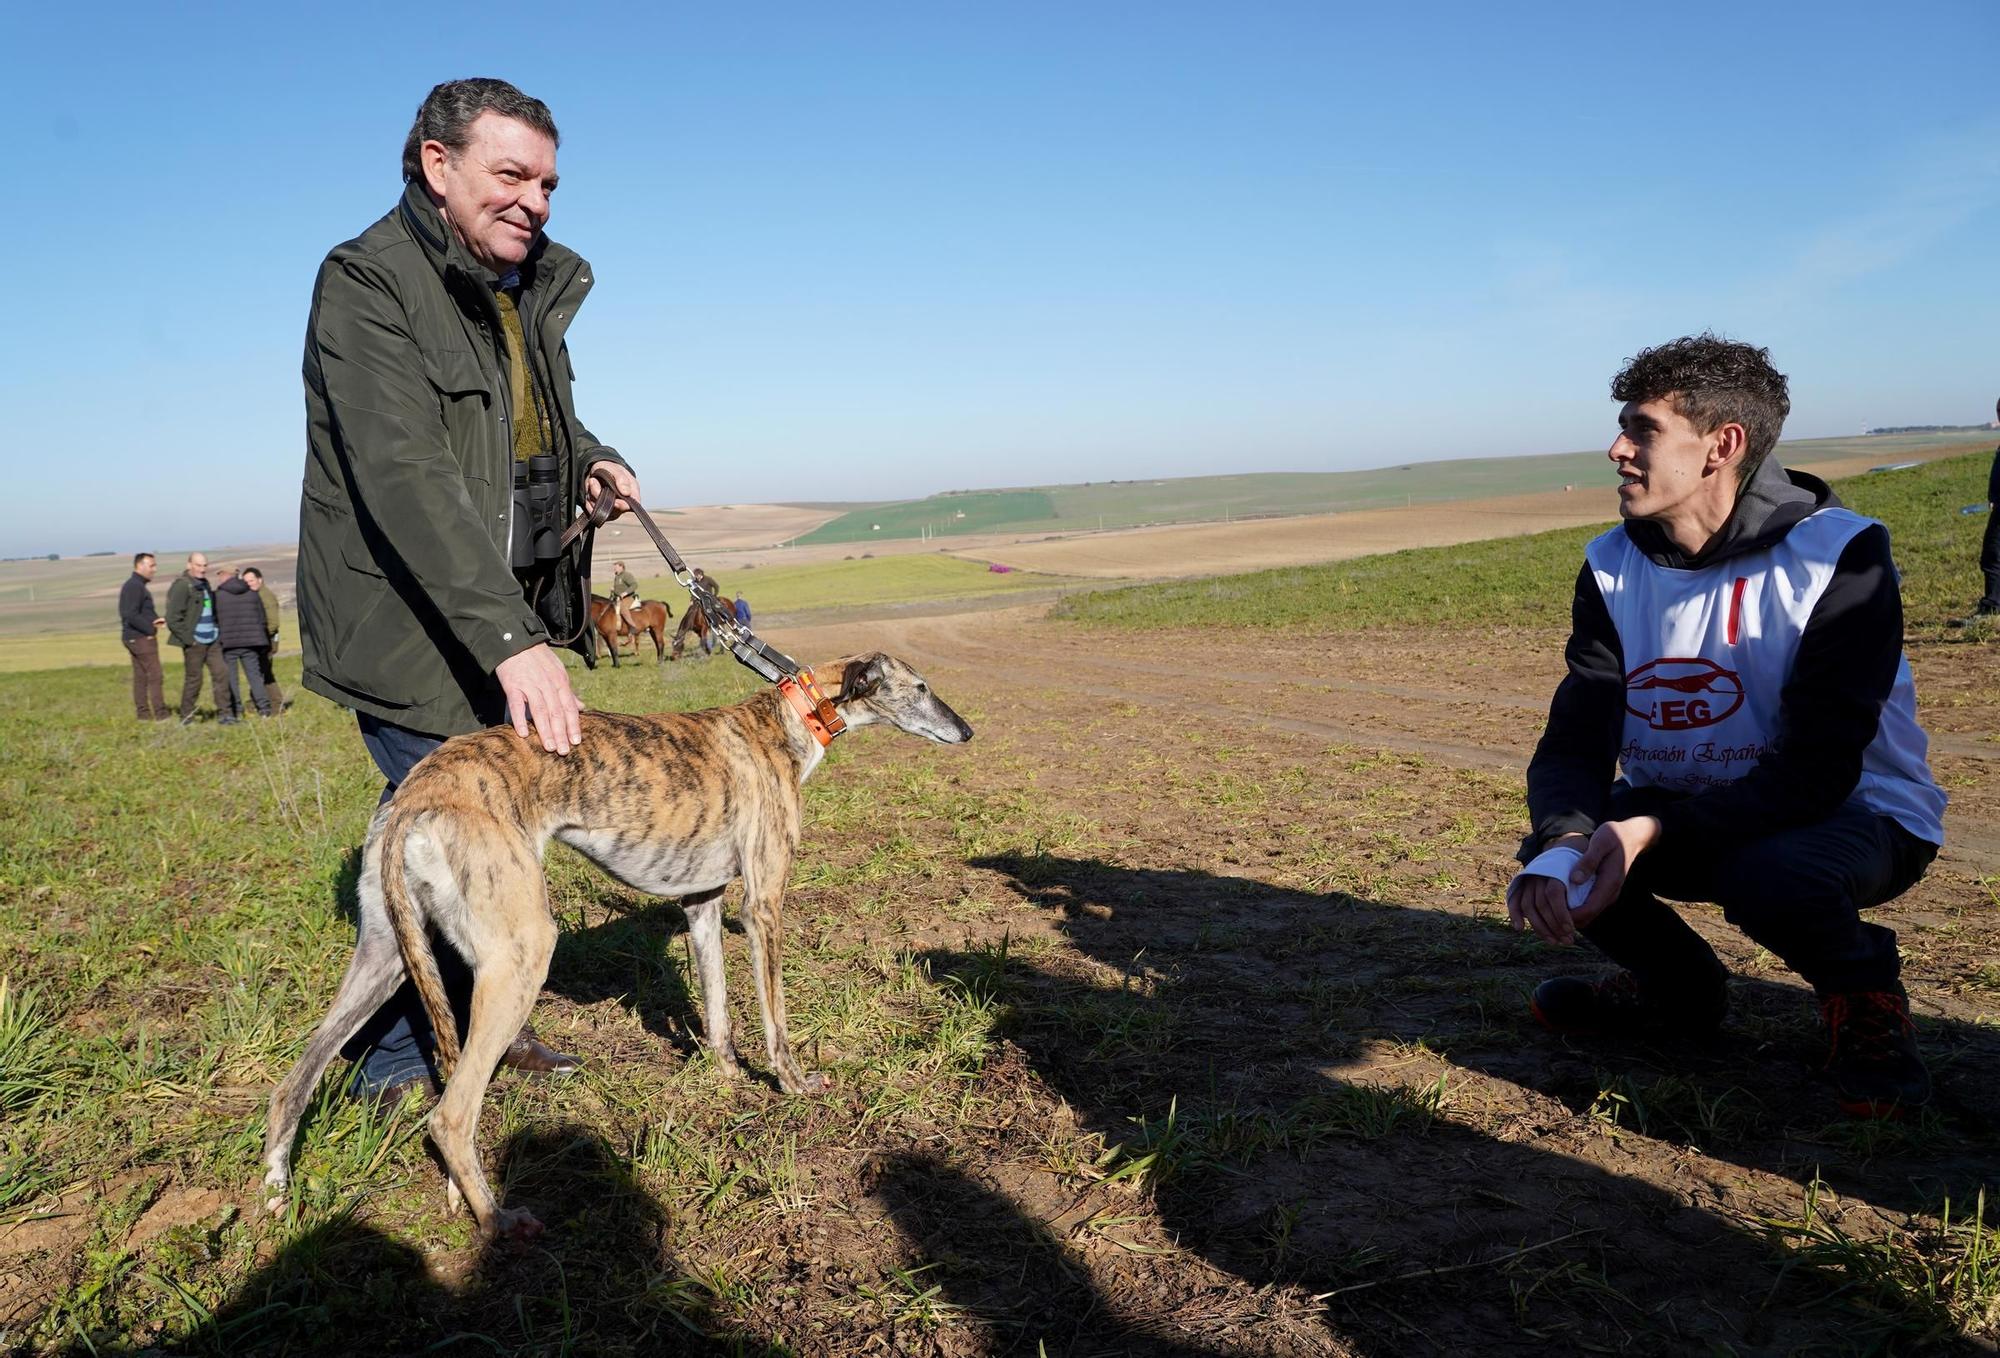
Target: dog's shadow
x,y
636,956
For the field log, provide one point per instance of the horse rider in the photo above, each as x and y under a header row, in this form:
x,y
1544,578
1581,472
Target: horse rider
x,y
624,594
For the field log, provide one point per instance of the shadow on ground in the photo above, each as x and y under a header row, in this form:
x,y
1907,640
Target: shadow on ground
x,y
1254,1047
599,1282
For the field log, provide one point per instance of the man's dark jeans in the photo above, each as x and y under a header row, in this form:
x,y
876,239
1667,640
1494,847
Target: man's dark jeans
x,y
147,698
1798,893
396,1045
245,658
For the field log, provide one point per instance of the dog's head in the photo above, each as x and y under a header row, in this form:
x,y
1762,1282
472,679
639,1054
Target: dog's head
x,y
878,687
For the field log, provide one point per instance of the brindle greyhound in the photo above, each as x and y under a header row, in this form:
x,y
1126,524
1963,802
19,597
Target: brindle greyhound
x,y
675,804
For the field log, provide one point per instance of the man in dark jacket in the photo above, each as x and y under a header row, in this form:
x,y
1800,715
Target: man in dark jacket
x,y
191,626
254,578
1736,652
437,380
239,621
139,624
1988,606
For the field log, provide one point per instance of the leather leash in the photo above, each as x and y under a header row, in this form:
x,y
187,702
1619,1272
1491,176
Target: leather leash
x,y
795,681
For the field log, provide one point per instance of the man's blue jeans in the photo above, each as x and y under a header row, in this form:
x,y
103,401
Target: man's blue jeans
x,y
395,1045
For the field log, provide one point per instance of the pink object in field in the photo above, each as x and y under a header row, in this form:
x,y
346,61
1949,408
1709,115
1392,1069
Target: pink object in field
x,y
997,568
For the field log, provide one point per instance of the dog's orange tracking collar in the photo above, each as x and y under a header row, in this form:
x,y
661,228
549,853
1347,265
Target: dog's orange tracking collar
x,y
802,692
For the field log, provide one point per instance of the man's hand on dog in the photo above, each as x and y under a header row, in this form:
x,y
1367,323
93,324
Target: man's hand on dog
x,y
538,692
616,477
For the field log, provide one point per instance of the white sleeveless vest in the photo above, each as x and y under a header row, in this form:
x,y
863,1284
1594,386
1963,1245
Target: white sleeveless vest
x,y
1707,653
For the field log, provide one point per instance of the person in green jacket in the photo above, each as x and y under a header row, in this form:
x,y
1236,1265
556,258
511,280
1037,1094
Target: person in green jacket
x,y
436,374
624,593
254,578
191,626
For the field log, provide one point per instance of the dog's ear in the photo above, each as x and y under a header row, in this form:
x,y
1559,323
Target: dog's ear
x,y
862,677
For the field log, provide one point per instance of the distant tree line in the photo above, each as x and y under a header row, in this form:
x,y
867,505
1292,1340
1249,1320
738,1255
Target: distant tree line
x,y
1922,428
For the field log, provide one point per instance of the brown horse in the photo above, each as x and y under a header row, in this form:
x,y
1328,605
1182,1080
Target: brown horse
x,y
695,621
649,616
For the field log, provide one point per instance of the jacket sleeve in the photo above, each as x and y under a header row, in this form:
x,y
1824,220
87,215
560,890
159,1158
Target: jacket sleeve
x,y
1569,778
129,611
1828,711
407,484
270,601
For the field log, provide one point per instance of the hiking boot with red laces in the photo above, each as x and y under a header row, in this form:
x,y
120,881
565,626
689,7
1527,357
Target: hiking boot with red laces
x,y
1872,1054
1616,1006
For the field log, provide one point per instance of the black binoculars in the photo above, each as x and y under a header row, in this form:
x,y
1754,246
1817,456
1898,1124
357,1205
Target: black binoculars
x,y
538,513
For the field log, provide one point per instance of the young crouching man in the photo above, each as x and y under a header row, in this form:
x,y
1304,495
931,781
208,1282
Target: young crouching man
x,y
1736,652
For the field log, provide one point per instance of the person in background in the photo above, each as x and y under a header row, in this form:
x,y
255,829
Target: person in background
x,y
254,578
191,626
242,633
624,593
139,628
1989,547
742,612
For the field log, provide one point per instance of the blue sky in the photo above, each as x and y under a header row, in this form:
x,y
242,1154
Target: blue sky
x,y
876,251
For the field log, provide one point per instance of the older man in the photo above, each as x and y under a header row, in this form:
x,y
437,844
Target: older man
x,y
442,442
191,626
1736,653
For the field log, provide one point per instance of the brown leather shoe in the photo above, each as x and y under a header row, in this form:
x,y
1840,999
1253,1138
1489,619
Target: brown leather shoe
x,y
530,1054
391,1095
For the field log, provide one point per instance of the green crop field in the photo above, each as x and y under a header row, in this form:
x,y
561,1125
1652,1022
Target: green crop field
x,y
1527,580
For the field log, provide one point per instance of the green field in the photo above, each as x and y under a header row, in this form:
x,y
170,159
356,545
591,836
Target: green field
x,y
1525,580
1201,499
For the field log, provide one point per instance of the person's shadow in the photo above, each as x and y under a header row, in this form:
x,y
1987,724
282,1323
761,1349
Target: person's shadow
x,y
600,1281
1242,1042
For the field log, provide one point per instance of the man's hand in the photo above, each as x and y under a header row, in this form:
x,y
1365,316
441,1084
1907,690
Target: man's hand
x,y
623,484
538,691
159,623
1542,903
1613,849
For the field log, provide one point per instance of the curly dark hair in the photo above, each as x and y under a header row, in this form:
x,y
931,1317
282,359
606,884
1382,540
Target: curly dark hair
x,y
449,109
1711,382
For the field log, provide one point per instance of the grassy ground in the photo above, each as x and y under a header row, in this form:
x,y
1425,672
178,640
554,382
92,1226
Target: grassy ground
x,y
1152,1030
1506,581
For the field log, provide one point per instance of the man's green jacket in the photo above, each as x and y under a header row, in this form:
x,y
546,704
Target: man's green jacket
x,y
270,598
406,600
183,610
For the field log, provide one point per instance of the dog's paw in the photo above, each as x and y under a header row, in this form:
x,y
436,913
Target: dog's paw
x,y
454,1201
278,1186
513,1223
812,1082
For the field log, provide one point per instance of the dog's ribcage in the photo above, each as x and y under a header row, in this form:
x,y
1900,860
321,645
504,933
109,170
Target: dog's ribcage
x,y
660,868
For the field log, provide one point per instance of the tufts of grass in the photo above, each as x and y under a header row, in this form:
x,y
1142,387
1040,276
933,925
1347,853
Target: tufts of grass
x,y
1919,1285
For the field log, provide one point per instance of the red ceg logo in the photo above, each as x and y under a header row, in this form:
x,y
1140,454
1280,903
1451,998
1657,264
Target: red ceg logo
x,y
1682,693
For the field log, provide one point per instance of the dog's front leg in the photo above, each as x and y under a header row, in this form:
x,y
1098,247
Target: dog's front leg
x,y
763,920
704,915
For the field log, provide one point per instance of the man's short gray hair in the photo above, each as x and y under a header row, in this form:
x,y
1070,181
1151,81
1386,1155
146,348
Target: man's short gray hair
x,y
449,109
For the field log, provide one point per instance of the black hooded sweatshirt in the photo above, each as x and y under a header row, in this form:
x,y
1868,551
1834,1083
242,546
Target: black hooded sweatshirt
x,y
1845,667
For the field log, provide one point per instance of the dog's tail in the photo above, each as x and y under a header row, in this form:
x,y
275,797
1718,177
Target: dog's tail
x,y
414,938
